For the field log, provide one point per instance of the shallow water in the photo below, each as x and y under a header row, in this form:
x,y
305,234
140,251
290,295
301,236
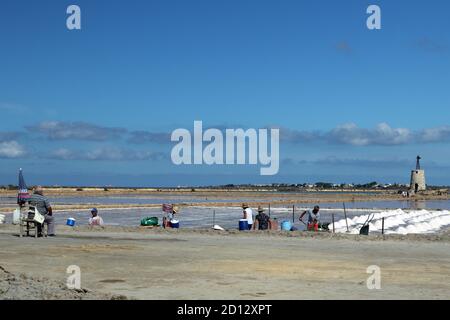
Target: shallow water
x,y
151,200
226,217
122,200
204,217
193,217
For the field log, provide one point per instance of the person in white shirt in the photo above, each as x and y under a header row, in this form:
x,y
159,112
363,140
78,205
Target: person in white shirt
x,y
169,216
96,220
248,214
313,218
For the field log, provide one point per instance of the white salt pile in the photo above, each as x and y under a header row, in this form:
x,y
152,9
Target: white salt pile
x,y
398,222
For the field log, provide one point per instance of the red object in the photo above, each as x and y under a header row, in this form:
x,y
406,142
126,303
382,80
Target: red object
x,y
166,223
313,226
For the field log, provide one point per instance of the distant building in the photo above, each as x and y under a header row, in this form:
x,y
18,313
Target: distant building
x,y
418,178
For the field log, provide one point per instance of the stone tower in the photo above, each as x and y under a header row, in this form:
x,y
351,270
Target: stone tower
x,y
418,178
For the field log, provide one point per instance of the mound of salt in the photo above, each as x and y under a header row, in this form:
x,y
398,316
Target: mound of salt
x,y
399,222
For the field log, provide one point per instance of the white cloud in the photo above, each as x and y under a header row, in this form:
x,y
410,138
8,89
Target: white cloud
x,y
385,134
63,154
349,133
382,134
106,154
11,149
59,130
438,134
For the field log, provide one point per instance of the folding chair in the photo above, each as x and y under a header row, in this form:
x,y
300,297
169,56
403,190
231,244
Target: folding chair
x,y
28,222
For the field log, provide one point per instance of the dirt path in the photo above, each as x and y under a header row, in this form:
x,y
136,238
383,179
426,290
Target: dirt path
x,y
161,265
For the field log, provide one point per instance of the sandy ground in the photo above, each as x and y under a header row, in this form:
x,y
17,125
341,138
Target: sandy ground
x,y
14,286
202,264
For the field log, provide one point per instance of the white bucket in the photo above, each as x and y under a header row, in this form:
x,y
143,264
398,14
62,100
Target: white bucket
x,y
2,218
39,218
16,216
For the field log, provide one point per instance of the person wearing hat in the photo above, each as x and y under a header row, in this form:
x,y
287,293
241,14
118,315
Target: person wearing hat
x,y
169,216
313,218
96,220
248,214
262,220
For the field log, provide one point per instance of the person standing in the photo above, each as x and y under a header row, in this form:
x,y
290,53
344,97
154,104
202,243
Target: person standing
x,y
313,218
262,220
248,215
43,206
169,215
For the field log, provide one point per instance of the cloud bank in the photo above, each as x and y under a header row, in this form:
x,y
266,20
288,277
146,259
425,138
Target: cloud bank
x,y
106,154
382,135
58,130
11,150
346,134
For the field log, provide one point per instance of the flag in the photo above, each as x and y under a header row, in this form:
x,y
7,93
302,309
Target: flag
x,y
23,195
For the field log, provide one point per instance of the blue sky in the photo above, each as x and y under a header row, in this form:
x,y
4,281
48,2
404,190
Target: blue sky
x,y
96,106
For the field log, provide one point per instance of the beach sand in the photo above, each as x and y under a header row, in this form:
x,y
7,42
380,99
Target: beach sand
x,y
141,263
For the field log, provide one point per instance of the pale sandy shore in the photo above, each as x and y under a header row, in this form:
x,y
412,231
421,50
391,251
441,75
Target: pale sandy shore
x,y
142,263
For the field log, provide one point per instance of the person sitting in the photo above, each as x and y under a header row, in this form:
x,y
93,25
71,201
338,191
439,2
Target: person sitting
x,y
43,206
313,218
262,220
95,220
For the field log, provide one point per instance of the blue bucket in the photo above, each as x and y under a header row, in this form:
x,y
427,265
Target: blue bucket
x,y
286,226
243,224
175,224
70,222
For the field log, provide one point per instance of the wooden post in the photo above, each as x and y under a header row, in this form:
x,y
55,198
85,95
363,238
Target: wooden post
x,y
332,219
382,226
345,216
21,227
214,218
293,213
269,210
